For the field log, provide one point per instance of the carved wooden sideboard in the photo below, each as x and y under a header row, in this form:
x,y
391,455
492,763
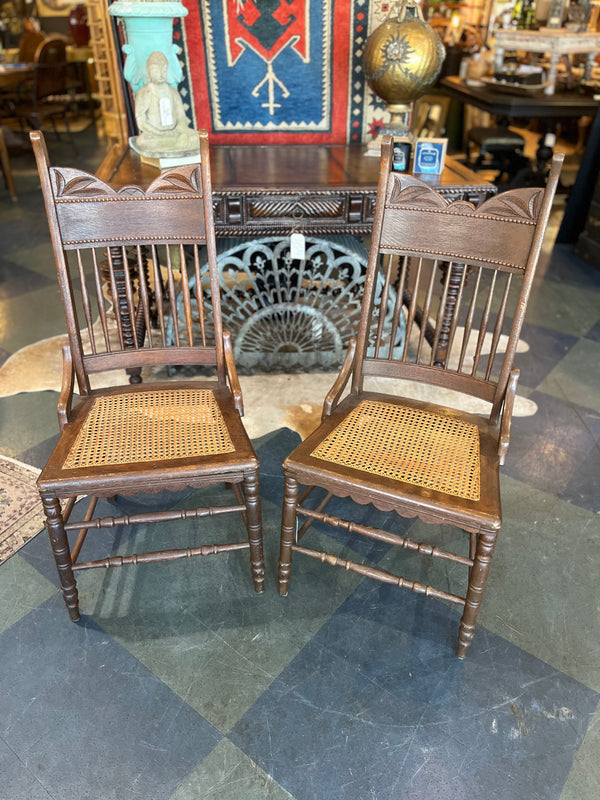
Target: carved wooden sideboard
x,y
260,196
271,190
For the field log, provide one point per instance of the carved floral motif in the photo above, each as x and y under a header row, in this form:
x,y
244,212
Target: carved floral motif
x,y
73,184
523,204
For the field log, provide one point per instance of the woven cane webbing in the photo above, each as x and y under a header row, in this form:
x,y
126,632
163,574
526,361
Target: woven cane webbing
x,y
150,426
407,444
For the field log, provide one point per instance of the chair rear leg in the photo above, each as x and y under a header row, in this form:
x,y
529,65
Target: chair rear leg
x,y
478,576
6,169
288,532
62,554
254,526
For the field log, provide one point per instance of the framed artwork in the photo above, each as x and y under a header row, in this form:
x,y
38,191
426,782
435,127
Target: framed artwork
x,y
430,155
402,149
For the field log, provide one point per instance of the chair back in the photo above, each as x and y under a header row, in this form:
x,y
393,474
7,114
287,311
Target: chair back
x,y
462,277
51,68
28,45
124,261
429,115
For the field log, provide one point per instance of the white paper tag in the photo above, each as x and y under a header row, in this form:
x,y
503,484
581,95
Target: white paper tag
x,y
297,246
165,111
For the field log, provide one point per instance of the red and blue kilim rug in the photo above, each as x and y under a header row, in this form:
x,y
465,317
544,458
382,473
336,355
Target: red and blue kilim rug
x,y
278,71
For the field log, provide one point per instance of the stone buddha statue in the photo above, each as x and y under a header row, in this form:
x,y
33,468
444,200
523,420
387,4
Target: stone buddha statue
x,y
160,115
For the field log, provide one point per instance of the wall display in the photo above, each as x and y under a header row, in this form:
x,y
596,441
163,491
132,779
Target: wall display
x,y
430,155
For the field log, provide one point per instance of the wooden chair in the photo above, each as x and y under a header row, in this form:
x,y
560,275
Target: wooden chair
x,y
162,434
462,278
20,89
429,115
28,45
496,147
48,99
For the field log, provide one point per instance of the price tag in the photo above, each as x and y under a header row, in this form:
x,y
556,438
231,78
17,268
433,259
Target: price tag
x,y
298,246
165,111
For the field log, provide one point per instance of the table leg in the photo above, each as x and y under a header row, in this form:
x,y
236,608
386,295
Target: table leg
x,y
552,72
545,149
589,65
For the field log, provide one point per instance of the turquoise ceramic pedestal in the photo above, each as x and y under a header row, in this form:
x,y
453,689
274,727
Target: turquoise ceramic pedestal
x,y
148,27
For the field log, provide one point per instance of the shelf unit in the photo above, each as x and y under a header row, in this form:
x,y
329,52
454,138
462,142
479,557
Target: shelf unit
x,y
107,71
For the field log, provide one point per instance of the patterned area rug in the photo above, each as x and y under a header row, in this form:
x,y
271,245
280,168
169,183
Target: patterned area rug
x,y
292,400
265,71
21,513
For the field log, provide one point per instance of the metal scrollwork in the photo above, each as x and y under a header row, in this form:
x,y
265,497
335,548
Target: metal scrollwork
x,y
290,314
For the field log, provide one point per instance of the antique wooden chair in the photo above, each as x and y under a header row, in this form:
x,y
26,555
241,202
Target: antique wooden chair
x,y
48,99
429,115
153,436
497,147
28,45
462,277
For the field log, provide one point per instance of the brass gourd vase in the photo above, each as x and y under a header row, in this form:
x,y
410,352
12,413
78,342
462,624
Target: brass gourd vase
x,y
402,59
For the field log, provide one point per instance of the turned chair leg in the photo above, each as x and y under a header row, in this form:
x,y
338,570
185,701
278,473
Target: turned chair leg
x,y
62,554
288,532
479,572
254,526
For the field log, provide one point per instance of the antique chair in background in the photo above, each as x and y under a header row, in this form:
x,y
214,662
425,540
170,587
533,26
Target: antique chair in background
x,y
462,277
163,434
28,45
429,115
48,99
496,147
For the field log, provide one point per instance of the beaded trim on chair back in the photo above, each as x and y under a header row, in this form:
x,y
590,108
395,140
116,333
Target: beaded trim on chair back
x,y
461,275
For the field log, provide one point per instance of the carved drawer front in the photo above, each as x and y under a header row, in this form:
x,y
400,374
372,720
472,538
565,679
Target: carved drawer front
x,y
368,207
296,207
219,210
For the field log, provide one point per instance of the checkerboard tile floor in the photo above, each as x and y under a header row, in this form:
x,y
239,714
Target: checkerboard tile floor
x,y
179,683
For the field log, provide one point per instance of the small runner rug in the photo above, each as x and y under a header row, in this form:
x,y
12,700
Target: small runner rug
x,y
21,513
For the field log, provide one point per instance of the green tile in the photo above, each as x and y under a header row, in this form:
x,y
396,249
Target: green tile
x,y
539,584
22,589
26,420
39,258
228,774
576,378
200,627
538,594
565,309
30,317
583,781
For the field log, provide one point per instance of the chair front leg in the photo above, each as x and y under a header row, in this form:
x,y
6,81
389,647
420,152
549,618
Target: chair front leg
x,y
478,575
254,526
288,532
62,554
